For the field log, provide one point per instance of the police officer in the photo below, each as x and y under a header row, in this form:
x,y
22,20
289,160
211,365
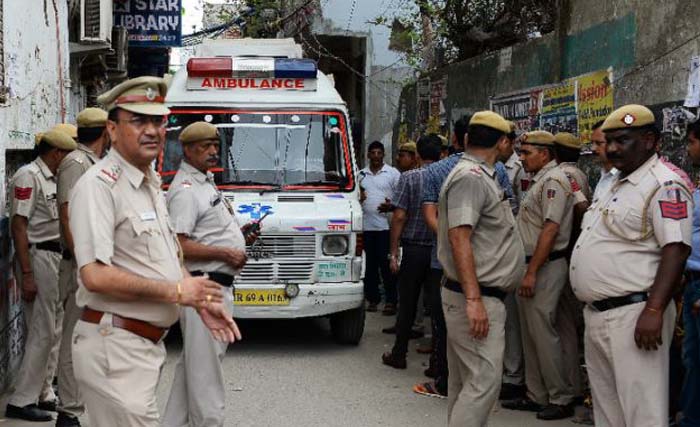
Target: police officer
x,y
567,149
544,223
93,142
34,225
625,266
483,256
130,275
213,244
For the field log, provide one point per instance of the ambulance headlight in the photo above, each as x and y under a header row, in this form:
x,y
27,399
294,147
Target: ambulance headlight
x,y
335,245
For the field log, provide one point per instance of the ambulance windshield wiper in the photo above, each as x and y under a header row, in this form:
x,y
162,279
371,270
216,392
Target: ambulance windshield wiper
x,y
319,183
273,187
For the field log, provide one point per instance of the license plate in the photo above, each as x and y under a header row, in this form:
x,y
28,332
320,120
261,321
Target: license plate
x,y
260,297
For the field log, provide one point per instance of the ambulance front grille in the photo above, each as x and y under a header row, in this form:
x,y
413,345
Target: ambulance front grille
x,y
283,246
267,272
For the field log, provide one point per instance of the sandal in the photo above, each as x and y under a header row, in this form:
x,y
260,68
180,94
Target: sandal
x,y
428,389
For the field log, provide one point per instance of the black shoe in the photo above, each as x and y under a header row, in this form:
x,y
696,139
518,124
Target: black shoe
x,y
555,412
430,372
29,413
47,405
65,420
512,391
396,362
522,404
390,330
415,334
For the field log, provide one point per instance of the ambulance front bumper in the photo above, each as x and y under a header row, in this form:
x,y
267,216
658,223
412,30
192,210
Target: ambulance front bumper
x,y
313,300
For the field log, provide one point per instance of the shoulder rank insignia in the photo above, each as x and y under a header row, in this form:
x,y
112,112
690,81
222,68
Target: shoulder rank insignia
x,y
551,193
186,184
110,173
475,171
78,160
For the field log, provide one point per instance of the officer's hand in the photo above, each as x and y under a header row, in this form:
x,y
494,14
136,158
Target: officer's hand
x,y
252,236
363,196
386,206
394,265
29,289
527,287
647,334
696,308
200,291
236,258
478,319
221,325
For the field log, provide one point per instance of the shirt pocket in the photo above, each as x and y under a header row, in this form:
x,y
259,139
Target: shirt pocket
x,y
149,238
628,224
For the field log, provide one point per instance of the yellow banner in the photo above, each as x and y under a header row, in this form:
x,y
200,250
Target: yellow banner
x,y
595,101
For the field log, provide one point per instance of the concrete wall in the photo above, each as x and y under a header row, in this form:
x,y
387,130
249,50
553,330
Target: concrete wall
x,y
37,80
647,44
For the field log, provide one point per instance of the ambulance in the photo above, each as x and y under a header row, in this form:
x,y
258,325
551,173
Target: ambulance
x,y
287,160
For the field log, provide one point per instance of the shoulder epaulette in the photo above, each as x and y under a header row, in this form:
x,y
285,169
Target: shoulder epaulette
x,y
110,173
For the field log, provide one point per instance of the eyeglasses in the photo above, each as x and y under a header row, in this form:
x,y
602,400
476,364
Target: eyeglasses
x,y
141,121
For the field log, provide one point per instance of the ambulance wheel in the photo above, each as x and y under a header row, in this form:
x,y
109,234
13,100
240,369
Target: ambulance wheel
x,y
348,326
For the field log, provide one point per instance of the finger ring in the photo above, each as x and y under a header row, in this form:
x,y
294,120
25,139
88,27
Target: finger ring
x,y
208,299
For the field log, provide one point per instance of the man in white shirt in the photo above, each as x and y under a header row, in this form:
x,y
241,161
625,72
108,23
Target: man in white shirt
x,y
377,181
607,171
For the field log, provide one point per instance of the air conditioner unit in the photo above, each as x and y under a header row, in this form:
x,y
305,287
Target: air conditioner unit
x,y
95,21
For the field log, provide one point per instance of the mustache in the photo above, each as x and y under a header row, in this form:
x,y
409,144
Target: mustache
x,y
213,159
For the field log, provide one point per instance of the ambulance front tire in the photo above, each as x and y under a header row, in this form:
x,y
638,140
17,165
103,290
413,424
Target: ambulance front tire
x,y
348,326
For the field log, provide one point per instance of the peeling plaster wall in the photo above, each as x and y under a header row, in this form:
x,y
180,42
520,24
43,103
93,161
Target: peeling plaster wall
x,y
32,47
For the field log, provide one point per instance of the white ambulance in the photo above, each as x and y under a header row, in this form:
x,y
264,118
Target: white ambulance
x,y
286,156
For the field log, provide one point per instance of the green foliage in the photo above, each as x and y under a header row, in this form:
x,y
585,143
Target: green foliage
x,y
462,29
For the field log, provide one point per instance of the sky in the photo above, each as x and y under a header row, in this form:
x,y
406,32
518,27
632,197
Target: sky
x,y
352,14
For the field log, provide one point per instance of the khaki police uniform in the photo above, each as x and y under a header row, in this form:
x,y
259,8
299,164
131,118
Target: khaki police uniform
x,y
199,211
33,191
549,197
118,217
617,255
471,196
513,365
570,311
73,166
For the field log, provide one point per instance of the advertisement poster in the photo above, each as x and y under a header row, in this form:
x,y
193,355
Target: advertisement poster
x,y
559,108
523,108
150,23
595,100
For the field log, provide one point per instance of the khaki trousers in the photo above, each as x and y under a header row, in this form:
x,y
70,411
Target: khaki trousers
x,y
513,365
117,373
198,394
545,374
71,402
475,366
630,386
569,323
44,318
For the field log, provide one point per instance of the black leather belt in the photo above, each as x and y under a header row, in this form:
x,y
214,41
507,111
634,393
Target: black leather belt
x,y
692,275
67,255
51,245
221,278
617,302
485,291
555,255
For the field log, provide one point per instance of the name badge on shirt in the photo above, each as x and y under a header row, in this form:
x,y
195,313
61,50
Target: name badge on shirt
x,y
148,216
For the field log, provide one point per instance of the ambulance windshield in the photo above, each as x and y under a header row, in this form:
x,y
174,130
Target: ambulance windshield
x,y
280,149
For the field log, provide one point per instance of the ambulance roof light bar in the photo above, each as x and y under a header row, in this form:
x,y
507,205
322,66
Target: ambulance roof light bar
x,y
280,68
